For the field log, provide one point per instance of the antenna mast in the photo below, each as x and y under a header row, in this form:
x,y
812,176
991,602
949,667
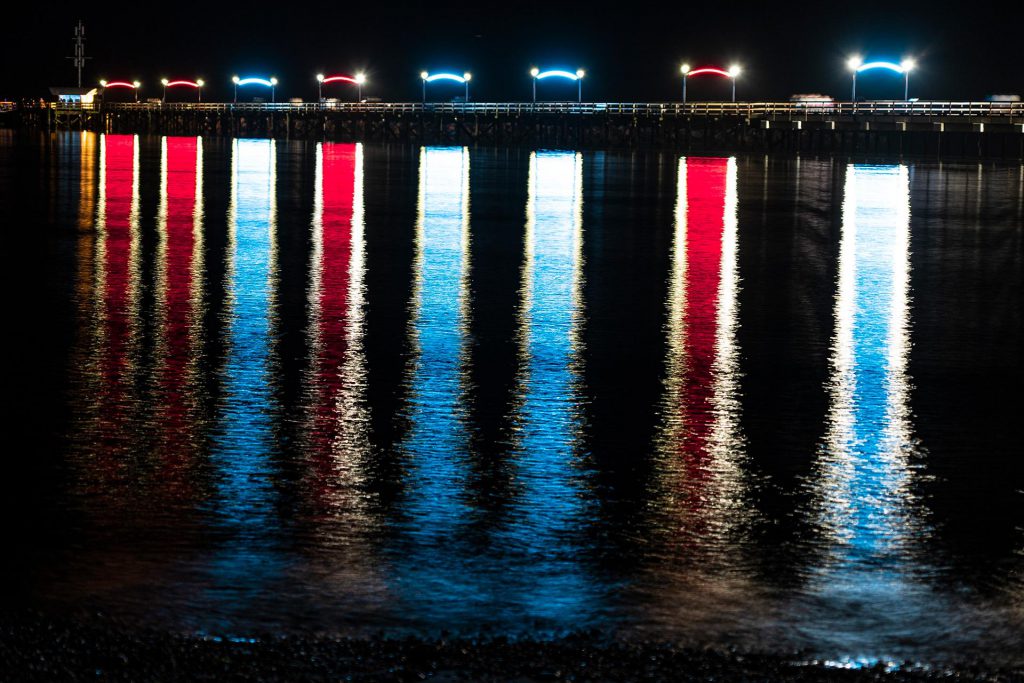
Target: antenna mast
x,y
79,50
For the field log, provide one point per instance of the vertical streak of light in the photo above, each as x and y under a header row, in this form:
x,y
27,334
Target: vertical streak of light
x,y
863,479
439,326
178,299
244,444
553,503
336,381
118,294
701,444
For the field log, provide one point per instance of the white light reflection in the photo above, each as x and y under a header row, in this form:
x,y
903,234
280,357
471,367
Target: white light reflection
x,y
553,502
179,304
865,504
336,380
438,439
701,445
118,288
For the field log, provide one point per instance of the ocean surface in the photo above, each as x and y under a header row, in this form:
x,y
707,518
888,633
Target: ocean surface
x,y
770,403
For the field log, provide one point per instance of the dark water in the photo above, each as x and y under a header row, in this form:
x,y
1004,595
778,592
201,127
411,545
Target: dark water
x,y
269,386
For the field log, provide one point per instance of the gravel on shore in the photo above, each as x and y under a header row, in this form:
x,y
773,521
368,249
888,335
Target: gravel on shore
x,y
34,647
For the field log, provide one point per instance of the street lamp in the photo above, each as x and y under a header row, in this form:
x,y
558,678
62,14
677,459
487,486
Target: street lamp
x,y
320,87
685,71
430,78
235,80
539,75
164,81
907,66
853,64
134,85
734,72
199,88
273,87
360,80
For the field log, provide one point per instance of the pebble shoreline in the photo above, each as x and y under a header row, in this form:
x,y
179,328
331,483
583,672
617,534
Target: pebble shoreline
x,y
36,648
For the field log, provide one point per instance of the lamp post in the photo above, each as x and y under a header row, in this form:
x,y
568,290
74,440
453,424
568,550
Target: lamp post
x,y
580,73
235,79
907,65
164,81
466,78
533,72
273,87
685,70
360,80
320,87
199,88
734,72
136,85
853,63
423,77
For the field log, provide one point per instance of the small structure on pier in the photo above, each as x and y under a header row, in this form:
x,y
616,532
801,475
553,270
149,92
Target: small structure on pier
x,y
73,95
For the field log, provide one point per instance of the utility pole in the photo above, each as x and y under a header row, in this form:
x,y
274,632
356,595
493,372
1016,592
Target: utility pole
x,y
79,50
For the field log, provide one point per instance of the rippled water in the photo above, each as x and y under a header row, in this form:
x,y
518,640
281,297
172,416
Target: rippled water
x,y
274,386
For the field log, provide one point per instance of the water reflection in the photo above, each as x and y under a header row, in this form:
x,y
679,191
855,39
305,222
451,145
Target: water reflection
x,y
244,443
118,286
434,508
552,504
701,446
336,380
866,504
179,307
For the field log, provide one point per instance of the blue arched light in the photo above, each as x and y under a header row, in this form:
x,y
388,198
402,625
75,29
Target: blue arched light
x,y
555,73
856,66
268,82
430,78
539,75
898,68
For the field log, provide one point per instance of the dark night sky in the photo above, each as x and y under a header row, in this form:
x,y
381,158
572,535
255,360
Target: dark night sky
x,y
631,50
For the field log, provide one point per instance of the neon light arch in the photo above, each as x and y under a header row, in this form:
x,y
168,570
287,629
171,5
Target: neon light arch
x,y
708,70
890,66
558,73
252,80
856,66
430,78
198,83
732,74
120,84
358,79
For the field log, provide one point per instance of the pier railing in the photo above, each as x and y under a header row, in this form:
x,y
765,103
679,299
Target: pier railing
x,y
648,109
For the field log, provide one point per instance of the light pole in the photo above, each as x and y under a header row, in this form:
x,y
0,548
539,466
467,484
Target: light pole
x,y
136,85
853,63
423,77
466,78
199,88
273,87
580,73
533,72
360,79
235,79
164,81
320,87
907,65
685,70
734,72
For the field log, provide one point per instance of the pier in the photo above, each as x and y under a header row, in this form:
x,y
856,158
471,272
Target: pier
x,y
927,129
